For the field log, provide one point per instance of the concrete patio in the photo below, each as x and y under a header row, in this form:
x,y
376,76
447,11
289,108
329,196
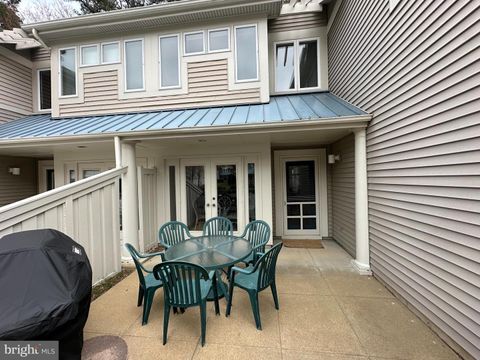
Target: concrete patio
x,y
326,312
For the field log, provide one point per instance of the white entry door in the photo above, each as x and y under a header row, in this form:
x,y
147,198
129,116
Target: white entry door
x,y
209,188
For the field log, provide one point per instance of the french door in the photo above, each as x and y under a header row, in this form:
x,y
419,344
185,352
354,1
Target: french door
x,y
209,188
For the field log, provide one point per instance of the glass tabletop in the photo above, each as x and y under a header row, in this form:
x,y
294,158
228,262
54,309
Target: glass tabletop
x,y
211,252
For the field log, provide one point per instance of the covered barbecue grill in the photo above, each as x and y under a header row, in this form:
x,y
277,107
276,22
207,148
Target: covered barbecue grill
x,y
45,289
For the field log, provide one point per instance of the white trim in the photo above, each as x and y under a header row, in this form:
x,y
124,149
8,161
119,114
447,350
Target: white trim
x,y
60,90
203,43
101,52
257,78
39,100
208,40
81,55
179,62
42,167
125,65
296,66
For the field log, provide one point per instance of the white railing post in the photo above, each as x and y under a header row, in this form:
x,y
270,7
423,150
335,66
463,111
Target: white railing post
x,y
362,261
130,195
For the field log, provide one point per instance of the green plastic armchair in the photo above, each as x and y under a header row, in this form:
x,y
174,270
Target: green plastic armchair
x,y
148,284
185,285
172,233
218,226
257,233
255,279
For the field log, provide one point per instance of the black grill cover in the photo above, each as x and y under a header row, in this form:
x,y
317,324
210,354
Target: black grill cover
x,y
45,289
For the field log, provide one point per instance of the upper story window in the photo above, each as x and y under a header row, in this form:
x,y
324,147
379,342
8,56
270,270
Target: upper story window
x,y
169,61
44,90
246,53
89,55
194,43
68,71
134,65
110,53
218,40
296,65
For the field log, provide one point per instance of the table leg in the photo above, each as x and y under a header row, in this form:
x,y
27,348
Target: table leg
x,y
222,288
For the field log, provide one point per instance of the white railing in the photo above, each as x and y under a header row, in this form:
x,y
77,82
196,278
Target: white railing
x,y
87,210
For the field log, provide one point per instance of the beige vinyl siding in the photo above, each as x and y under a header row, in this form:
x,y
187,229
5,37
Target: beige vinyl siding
x,y
416,70
16,89
297,21
40,54
207,86
15,188
343,193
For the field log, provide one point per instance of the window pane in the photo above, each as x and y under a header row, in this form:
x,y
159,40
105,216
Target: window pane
x,y
218,40
309,209
293,210
88,173
134,64
44,80
195,192
309,223
169,61
293,224
308,62
285,67
68,72
110,53
194,43
246,52
89,55
227,193
50,179
251,192
173,195
300,181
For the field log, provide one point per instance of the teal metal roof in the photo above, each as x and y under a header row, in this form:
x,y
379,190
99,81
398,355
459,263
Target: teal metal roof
x,y
285,108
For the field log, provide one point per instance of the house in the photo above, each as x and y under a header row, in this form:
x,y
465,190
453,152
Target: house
x,y
356,121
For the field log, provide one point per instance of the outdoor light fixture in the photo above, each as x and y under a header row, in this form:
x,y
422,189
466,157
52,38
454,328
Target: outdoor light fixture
x,y
333,158
14,171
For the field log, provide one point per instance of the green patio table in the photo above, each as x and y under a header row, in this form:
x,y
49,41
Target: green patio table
x,y
213,252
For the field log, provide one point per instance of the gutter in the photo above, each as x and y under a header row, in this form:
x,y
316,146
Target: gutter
x,y
38,38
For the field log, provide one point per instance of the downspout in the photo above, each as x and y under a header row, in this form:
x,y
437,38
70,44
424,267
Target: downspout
x,y
38,38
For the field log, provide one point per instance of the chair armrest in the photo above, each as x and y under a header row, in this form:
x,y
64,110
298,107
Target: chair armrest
x,y
240,270
260,253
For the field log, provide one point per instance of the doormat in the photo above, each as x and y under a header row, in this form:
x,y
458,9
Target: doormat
x,y
305,244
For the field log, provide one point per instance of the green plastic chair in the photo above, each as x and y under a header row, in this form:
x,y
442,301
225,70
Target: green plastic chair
x,y
257,233
186,285
255,279
218,226
148,283
172,233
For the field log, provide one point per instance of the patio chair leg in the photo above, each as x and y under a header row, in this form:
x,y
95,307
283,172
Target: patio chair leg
x,y
222,285
229,301
147,305
215,295
273,286
256,310
166,315
203,319
140,295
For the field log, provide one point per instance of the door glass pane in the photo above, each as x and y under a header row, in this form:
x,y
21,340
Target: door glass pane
x,y
308,63
293,223
173,198
308,209
227,192
195,192
309,223
285,67
50,179
293,210
300,177
251,191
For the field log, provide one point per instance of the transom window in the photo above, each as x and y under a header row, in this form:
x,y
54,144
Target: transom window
x,y
194,43
218,40
89,55
296,65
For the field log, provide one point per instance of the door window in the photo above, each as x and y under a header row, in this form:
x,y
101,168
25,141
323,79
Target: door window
x,y
195,196
227,193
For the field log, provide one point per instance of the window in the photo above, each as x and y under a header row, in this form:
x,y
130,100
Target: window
x,y
194,43
44,88
169,59
110,53
296,65
246,54
68,72
251,191
134,72
172,190
218,40
89,55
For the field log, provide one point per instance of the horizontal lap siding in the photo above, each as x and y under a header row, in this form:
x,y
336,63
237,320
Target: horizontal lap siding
x,y
416,70
297,21
207,86
40,54
18,187
16,89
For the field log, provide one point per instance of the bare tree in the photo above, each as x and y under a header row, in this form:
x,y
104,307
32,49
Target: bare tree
x,y
8,14
45,10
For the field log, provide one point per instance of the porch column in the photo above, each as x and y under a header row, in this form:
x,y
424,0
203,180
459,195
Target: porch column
x,y
130,195
362,261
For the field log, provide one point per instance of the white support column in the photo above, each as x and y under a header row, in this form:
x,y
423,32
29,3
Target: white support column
x,y
129,195
362,261
118,151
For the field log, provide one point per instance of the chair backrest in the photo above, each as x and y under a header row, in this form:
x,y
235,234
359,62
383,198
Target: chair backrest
x,y
266,266
218,226
257,233
172,233
181,282
136,260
